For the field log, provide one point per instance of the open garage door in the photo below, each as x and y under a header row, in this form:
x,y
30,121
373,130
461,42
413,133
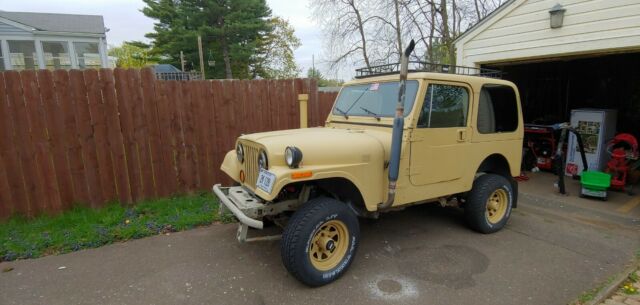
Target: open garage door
x,y
550,89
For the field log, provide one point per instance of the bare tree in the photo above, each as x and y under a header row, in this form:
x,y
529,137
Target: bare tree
x,y
398,27
475,3
422,15
344,28
386,24
484,8
372,31
446,35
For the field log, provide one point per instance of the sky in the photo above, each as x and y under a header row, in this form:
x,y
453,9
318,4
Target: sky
x,y
126,22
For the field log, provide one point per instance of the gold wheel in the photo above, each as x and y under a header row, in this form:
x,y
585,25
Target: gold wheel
x,y
329,245
497,206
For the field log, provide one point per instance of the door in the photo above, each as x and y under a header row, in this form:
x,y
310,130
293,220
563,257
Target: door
x,y
441,137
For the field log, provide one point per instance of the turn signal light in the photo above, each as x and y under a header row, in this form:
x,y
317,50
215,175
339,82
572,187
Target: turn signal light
x,y
301,175
242,177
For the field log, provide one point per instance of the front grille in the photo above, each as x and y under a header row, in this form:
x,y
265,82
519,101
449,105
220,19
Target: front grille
x,y
251,164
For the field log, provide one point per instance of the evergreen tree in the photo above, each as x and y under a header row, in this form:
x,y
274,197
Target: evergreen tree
x,y
322,81
231,31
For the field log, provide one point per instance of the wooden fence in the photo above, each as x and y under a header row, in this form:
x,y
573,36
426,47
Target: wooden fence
x,y
91,137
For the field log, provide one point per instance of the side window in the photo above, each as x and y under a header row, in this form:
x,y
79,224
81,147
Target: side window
x,y
497,109
444,106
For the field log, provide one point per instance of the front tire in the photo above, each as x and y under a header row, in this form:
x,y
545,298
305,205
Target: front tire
x,y
488,205
320,241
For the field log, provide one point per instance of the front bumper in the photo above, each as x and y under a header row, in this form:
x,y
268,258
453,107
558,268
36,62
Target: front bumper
x,y
244,206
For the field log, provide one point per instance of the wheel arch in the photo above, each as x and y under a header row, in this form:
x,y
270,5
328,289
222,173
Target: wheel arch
x,y
342,189
495,164
498,164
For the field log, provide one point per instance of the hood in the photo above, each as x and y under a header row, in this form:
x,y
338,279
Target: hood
x,y
324,145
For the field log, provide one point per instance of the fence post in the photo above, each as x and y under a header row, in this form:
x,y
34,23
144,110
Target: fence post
x,y
304,100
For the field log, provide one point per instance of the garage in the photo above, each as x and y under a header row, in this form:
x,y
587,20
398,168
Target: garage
x,y
549,90
567,57
588,58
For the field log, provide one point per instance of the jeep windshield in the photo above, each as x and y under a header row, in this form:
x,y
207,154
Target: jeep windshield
x,y
374,99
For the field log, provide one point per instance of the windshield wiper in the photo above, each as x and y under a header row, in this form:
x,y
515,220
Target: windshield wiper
x,y
343,112
375,115
358,99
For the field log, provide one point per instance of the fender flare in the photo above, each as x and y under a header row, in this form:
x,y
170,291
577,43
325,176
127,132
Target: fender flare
x,y
498,164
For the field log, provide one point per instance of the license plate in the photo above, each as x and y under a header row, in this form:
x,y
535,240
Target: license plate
x,y
266,180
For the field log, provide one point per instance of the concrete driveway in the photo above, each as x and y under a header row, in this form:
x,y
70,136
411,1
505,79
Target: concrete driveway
x,y
548,254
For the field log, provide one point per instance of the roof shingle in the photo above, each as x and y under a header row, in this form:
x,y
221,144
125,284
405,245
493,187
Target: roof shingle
x,y
92,24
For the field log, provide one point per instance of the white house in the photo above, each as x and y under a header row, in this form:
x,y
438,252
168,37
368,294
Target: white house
x,y
52,41
563,54
520,30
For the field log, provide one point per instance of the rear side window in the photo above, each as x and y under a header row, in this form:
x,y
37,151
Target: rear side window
x,y
444,106
497,109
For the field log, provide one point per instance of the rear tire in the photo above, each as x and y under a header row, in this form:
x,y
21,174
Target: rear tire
x,y
320,241
488,205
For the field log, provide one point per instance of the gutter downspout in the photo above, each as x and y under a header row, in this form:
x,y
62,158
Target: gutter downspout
x,y
398,128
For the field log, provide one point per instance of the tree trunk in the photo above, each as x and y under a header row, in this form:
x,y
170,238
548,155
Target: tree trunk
x,y
398,30
362,36
454,17
432,31
453,34
225,50
227,59
475,2
446,34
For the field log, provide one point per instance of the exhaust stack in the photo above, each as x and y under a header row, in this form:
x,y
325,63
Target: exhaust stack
x,y
398,128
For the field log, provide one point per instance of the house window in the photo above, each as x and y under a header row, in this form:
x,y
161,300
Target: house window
x,y
444,106
497,109
88,55
56,55
2,68
22,54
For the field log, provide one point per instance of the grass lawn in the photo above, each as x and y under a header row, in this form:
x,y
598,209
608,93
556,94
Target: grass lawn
x,y
82,228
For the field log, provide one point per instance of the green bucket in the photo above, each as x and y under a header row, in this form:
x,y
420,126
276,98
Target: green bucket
x,y
595,180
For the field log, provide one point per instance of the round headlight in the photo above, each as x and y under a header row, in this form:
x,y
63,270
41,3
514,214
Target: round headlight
x,y
263,163
240,152
293,156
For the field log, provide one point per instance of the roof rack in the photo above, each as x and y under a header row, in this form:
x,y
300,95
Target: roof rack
x,y
422,66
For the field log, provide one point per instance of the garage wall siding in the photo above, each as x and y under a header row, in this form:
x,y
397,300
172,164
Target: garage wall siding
x,y
521,31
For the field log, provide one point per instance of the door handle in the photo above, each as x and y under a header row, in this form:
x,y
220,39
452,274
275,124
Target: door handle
x,y
462,135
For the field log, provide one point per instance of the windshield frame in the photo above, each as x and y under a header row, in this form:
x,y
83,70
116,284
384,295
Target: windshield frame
x,y
408,100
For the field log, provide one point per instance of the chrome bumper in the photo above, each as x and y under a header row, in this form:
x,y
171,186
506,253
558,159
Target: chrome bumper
x,y
241,204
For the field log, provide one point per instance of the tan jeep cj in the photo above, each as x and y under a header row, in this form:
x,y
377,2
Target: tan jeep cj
x,y
396,136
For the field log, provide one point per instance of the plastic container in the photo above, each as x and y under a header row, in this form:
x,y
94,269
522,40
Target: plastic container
x,y
595,184
595,180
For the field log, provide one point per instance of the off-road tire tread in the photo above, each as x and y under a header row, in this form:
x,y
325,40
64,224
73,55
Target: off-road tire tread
x,y
475,204
291,236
